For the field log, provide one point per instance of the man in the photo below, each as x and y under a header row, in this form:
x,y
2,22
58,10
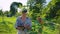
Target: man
x,y
39,20
41,24
23,23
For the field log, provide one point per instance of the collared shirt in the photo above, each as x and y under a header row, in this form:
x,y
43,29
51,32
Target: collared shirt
x,y
19,22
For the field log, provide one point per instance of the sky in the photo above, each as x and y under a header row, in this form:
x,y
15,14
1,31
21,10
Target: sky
x,y
48,1
5,4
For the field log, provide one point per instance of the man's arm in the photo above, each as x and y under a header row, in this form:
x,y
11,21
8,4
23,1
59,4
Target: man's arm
x,y
17,25
29,25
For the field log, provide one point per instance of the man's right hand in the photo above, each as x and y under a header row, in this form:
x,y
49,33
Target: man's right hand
x,y
27,26
20,28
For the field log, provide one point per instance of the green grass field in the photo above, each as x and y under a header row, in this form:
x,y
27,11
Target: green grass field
x,y
7,27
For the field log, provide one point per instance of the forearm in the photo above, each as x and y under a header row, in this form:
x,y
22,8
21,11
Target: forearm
x,y
20,28
28,28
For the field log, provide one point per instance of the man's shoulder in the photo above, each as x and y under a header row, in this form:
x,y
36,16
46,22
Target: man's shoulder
x,y
18,17
28,17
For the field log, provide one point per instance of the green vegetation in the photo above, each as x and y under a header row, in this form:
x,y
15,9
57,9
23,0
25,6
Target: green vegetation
x,y
7,27
49,13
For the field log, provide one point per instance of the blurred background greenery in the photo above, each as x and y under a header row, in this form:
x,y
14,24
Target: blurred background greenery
x,y
49,13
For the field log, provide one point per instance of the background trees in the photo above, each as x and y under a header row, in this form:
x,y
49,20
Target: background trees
x,y
14,6
36,6
49,13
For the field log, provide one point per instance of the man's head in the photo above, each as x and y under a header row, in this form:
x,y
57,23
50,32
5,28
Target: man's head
x,y
24,12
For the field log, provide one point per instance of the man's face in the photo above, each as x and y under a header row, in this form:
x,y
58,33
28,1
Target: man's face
x,y
24,14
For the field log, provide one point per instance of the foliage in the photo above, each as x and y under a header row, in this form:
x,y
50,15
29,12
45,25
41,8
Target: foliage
x,y
1,12
8,27
50,13
36,7
14,6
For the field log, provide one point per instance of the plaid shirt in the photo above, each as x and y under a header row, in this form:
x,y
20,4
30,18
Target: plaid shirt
x,y
19,22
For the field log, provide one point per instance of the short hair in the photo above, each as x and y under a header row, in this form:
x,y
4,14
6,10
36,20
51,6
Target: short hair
x,y
24,11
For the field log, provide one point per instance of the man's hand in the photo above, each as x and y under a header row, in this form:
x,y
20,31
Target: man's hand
x,y
27,26
20,28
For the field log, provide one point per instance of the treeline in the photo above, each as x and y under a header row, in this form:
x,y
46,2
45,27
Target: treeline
x,y
7,13
50,12
13,10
